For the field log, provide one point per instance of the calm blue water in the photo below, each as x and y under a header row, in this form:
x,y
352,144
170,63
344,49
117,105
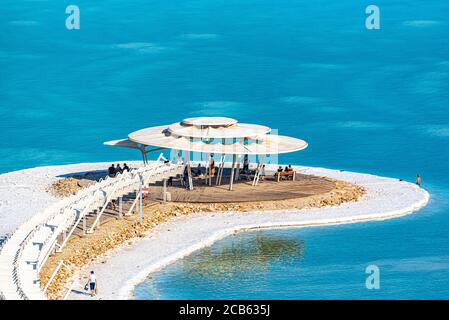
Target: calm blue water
x,y
370,101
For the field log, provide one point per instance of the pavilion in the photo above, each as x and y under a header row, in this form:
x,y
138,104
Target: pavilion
x,y
212,135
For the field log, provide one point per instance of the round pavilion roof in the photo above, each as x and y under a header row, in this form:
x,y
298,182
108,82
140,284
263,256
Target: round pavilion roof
x,y
237,130
213,135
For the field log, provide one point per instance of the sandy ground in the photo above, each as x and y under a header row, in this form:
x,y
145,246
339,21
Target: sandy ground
x,y
120,270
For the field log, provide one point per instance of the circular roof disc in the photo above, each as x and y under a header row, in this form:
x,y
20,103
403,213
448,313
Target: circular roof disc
x,y
267,144
239,130
208,121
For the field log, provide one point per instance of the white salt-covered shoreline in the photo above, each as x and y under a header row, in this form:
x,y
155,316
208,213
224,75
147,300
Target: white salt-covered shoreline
x,y
122,269
23,193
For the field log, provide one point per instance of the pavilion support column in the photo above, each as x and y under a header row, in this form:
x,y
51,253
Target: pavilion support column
x,y
220,170
206,169
210,170
237,173
218,174
221,165
144,155
231,182
256,174
189,172
258,170
217,181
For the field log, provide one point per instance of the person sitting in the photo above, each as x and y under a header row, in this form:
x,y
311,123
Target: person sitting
x,y
125,167
198,170
118,169
245,164
114,204
278,173
286,169
145,192
290,172
111,171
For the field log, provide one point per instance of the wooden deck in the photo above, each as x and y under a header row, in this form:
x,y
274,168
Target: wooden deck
x,y
266,190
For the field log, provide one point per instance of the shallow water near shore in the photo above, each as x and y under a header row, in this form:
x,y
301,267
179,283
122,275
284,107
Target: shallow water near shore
x,y
366,101
315,263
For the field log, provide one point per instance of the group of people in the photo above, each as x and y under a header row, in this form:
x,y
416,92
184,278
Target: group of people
x,y
114,170
196,172
286,169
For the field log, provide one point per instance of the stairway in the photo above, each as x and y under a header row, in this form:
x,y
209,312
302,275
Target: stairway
x,y
27,250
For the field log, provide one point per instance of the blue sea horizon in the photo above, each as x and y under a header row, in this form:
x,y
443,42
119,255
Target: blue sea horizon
x,y
373,101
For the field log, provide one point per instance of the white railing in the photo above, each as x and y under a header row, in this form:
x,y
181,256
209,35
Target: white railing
x,y
26,251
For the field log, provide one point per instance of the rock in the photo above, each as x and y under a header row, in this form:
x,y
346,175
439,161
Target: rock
x,y
83,183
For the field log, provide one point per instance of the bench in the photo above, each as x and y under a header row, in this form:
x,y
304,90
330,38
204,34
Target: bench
x,y
286,174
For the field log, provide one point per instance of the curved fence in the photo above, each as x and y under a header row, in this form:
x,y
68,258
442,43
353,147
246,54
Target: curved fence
x,y
26,251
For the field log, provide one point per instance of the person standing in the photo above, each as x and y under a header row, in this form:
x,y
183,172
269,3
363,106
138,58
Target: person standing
x,y
185,177
92,284
245,164
212,166
418,180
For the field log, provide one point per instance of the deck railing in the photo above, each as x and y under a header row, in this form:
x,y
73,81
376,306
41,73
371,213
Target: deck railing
x,y
26,251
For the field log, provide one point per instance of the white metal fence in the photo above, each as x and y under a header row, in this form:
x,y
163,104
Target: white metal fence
x,y
28,248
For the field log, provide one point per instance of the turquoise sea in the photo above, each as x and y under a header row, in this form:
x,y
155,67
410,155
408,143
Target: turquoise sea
x,y
373,101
